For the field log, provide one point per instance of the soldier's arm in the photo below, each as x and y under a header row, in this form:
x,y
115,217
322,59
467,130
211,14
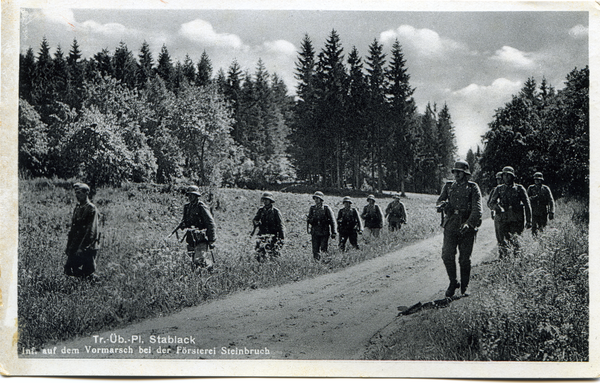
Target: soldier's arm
x,y
550,201
333,223
257,218
443,195
388,209
403,211
476,207
280,225
91,228
209,221
527,204
493,201
358,220
489,201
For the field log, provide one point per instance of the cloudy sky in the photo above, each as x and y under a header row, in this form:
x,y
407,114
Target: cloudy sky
x,y
473,61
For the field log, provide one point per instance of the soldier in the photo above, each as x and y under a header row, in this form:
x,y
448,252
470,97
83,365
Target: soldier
x,y
320,223
349,224
461,202
373,216
499,181
83,238
270,228
395,213
542,203
513,210
200,235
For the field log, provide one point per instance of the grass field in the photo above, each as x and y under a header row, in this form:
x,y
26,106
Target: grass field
x,y
143,274
533,306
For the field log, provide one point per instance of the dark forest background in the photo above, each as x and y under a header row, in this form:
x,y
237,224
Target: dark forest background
x,y
128,117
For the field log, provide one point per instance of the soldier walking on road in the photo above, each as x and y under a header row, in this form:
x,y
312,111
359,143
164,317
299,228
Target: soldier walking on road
x,y
542,203
513,210
461,202
270,226
496,218
83,238
200,235
373,216
349,224
320,224
395,213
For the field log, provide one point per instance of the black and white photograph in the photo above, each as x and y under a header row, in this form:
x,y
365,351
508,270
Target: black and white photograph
x,y
285,189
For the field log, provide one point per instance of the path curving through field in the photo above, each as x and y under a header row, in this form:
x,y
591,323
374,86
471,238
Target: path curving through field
x,y
329,317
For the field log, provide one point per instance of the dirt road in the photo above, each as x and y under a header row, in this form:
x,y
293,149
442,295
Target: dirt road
x,y
329,317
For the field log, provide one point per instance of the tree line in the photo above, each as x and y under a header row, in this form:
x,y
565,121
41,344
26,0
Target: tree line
x,y
116,117
541,129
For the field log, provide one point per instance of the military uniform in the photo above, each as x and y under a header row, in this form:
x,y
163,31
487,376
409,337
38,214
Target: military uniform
x,y
494,216
83,238
197,215
542,204
322,225
461,203
513,211
373,217
396,214
349,225
269,222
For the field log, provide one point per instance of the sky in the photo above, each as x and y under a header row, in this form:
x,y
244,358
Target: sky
x,y
473,61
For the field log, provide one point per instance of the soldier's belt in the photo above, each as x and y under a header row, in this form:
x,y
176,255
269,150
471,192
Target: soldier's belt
x,y
452,212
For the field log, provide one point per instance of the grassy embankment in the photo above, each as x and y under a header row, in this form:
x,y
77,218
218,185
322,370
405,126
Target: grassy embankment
x,y
533,306
143,274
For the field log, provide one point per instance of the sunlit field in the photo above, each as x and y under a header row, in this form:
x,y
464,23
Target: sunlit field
x,y
144,274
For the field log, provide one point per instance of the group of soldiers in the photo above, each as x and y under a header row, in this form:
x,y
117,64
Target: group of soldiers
x,y
513,209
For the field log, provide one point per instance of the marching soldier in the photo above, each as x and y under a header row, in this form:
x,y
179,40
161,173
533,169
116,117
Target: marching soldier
x,y
83,238
320,224
200,235
349,224
270,226
499,181
542,203
513,210
461,202
395,213
373,216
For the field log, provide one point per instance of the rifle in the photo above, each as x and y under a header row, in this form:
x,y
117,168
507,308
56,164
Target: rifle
x,y
442,209
253,229
175,232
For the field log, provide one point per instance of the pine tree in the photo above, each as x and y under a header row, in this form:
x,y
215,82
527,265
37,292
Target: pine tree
x,y
27,74
165,67
145,68
189,71
76,69
356,132
204,74
124,66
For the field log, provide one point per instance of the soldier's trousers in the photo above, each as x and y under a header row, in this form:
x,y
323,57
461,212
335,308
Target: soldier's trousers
x,y
373,231
81,265
508,232
345,236
319,244
200,254
395,224
497,229
453,239
538,223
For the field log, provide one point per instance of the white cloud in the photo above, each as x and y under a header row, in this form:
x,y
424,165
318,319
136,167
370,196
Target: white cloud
x,y
109,29
58,15
579,31
472,109
514,57
425,42
203,32
280,46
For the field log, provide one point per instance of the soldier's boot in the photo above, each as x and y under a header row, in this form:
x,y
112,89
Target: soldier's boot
x,y
451,270
465,275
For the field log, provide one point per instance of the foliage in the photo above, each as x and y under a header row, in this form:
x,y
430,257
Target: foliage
x,y
143,274
532,306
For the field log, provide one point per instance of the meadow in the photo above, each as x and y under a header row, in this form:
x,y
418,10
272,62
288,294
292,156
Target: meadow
x,y
143,274
532,306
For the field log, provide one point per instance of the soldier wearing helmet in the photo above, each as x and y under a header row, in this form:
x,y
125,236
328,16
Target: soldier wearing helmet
x,y
320,224
499,181
83,238
349,224
513,210
270,226
373,216
542,203
461,202
200,235
395,213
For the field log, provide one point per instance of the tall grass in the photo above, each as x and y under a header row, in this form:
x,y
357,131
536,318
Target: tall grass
x,y
533,306
143,274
